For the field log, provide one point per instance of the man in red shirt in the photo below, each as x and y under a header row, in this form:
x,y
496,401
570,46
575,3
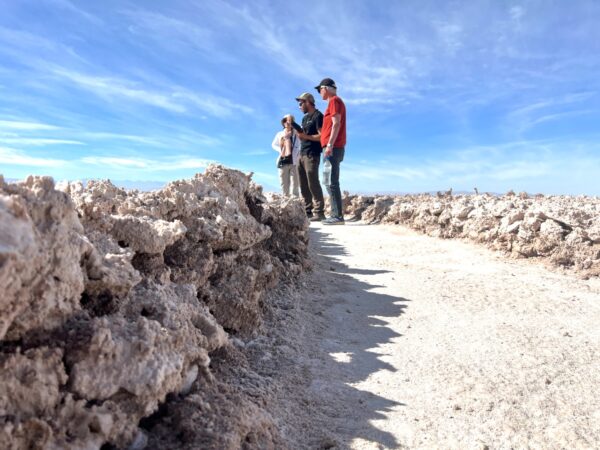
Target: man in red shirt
x,y
333,141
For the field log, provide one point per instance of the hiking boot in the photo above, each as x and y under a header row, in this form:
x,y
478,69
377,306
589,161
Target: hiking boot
x,y
318,218
334,221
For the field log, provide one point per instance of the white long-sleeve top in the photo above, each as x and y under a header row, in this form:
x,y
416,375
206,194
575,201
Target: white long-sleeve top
x,y
295,145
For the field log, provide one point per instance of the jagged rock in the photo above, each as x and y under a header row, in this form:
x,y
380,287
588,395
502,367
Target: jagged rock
x,y
377,211
120,297
30,382
145,235
356,205
41,249
566,230
461,211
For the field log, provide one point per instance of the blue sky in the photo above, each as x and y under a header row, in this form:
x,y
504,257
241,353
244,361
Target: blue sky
x,y
495,94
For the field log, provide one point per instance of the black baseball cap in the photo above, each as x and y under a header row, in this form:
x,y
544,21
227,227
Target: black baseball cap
x,y
326,82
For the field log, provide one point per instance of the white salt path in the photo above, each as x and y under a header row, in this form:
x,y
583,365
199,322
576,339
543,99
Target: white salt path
x,y
407,341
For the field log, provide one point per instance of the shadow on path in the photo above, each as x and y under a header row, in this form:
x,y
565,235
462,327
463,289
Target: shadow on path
x,y
352,324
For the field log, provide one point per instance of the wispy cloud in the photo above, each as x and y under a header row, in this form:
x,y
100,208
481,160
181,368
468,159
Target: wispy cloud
x,y
11,156
177,162
104,136
522,165
70,7
22,125
175,34
109,87
215,106
34,51
370,171
173,99
167,138
549,109
367,72
516,12
38,142
257,153
116,162
557,116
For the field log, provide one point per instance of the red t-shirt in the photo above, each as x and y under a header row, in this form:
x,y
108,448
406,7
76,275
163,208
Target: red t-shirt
x,y
335,106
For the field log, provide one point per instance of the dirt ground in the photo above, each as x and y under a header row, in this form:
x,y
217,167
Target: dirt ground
x,y
399,340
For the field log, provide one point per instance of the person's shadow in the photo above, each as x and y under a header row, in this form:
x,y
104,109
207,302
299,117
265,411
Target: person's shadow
x,y
343,354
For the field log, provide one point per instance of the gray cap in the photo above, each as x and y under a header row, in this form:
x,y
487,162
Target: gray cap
x,y
306,96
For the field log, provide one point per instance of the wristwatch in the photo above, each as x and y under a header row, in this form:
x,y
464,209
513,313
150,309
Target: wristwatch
x,y
329,145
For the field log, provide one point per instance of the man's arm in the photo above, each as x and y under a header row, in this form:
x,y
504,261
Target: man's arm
x,y
335,129
314,137
310,137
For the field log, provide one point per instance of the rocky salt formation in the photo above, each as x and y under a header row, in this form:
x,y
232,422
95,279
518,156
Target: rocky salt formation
x,y
114,302
563,230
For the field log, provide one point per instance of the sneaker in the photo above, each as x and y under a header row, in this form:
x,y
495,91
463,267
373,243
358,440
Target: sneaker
x,y
318,218
334,221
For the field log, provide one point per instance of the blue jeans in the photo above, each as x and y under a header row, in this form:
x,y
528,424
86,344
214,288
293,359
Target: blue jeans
x,y
333,188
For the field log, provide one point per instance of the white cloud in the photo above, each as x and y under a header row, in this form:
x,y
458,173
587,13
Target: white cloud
x,y
545,166
38,142
174,34
450,34
549,109
516,12
69,6
367,71
11,156
177,162
184,163
146,140
21,125
257,153
558,116
116,162
370,171
171,98
113,87
215,106
35,51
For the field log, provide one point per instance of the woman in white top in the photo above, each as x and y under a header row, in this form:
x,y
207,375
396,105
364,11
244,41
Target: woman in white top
x,y
287,144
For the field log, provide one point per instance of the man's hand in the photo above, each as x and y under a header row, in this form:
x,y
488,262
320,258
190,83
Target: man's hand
x,y
328,151
302,136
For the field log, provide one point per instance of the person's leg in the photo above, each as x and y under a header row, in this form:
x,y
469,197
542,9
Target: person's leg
x,y
304,186
284,175
335,192
288,179
294,176
312,172
328,187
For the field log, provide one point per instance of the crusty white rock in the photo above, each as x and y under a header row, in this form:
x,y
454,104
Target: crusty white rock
x,y
564,230
114,300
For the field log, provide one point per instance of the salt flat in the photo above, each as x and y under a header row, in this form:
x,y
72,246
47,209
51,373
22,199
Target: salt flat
x,y
401,340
